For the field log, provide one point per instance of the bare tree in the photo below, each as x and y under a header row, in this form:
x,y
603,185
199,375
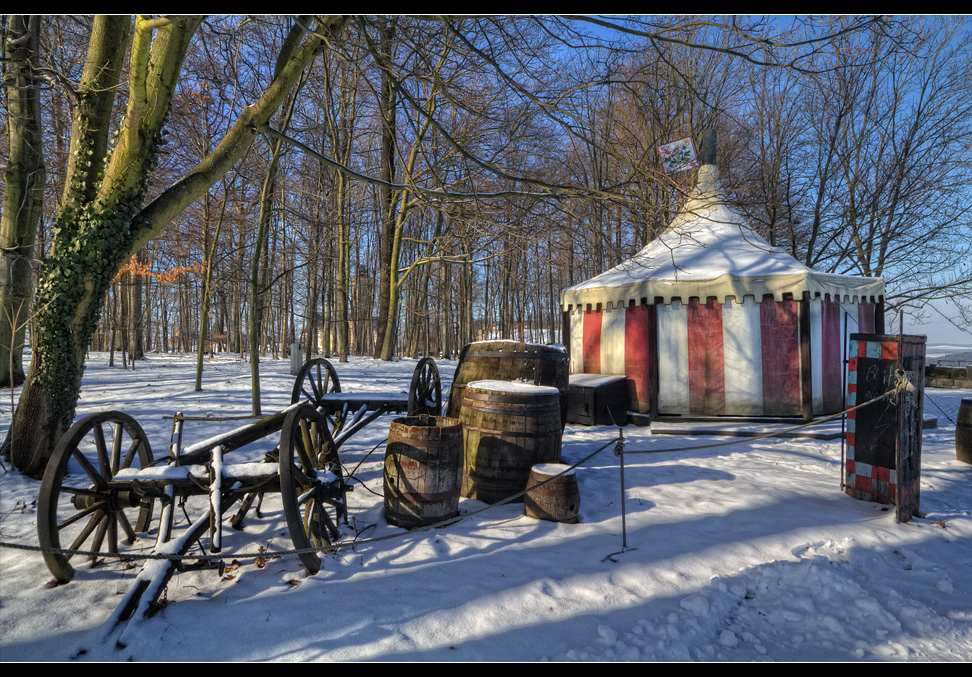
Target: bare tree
x,y
891,130
102,221
24,177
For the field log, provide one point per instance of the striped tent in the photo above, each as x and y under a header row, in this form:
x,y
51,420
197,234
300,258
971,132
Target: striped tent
x,y
710,319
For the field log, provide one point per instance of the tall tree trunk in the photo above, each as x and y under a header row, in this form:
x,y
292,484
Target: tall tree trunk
x,y
70,295
341,283
386,268
124,301
147,305
24,193
207,294
256,297
136,314
310,323
256,293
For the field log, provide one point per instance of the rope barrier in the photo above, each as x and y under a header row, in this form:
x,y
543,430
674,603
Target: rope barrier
x,y
618,442
777,433
217,419
334,547
508,499
901,384
927,397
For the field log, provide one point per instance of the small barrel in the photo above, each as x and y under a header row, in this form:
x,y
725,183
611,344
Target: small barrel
x,y
556,501
508,427
963,432
423,468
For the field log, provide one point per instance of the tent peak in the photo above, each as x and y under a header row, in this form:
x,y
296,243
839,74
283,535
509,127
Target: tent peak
x,y
707,192
707,182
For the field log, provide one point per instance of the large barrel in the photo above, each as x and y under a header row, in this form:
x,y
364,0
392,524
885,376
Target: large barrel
x,y
423,467
543,365
507,428
963,432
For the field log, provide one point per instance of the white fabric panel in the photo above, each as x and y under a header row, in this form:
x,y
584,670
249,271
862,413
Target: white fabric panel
x,y
742,354
612,341
673,381
816,353
576,341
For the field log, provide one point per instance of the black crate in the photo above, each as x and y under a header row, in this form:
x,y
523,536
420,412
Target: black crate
x,y
597,399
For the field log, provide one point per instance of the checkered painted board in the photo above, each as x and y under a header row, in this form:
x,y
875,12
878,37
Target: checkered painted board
x,y
883,461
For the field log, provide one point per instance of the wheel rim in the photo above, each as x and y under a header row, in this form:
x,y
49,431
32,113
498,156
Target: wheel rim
x,y
425,392
314,380
311,483
82,506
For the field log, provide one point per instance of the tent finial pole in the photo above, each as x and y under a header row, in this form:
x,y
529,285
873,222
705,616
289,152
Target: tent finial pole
x,y
709,147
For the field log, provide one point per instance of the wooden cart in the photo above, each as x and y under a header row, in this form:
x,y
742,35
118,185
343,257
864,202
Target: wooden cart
x,y
103,486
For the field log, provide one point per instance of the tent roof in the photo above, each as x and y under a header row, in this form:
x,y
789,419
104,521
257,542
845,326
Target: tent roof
x,y
709,250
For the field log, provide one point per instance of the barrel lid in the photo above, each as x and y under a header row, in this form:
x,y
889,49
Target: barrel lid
x,y
512,387
425,421
551,469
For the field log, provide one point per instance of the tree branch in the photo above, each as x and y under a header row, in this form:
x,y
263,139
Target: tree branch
x,y
156,215
429,192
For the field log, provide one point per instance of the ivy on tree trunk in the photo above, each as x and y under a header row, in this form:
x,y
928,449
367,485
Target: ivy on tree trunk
x,y
102,223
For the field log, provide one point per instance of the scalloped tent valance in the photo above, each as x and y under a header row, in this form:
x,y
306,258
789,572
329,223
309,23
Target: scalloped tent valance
x,y
709,251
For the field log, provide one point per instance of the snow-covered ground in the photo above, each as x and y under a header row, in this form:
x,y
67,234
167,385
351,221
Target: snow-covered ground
x,y
745,552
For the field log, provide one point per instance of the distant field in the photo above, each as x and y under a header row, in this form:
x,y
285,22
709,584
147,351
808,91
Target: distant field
x,y
952,359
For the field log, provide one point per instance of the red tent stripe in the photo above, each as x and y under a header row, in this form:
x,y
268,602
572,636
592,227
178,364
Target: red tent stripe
x,y
707,388
592,341
830,355
639,339
865,317
779,334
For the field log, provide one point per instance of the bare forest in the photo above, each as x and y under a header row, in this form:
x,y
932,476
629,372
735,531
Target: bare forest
x,y
386,186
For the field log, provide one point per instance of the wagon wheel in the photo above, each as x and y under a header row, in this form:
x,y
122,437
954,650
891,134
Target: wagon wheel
x,y
425,392
311,483
81,505
315,379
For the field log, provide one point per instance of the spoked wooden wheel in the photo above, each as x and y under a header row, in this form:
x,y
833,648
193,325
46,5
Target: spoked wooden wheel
x,y
311,483
82,503
314,380
425,392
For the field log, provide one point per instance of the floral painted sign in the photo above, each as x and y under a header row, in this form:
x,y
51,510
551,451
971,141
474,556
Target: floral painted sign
x,y
678,156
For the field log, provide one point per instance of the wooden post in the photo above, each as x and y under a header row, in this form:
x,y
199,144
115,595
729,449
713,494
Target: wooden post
x,y
883,462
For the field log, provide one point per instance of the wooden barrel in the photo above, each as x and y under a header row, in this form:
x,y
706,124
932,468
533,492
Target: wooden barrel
x,y
963,432
543,365
556,501
423,467
507,428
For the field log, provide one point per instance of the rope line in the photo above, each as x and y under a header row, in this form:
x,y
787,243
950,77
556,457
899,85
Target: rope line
x,y
334,547
898,387
618,442
940,409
